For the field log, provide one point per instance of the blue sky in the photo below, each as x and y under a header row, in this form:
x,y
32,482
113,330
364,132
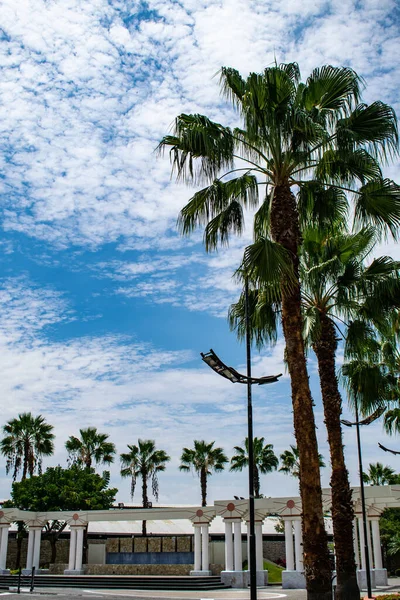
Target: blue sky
x,y
103,307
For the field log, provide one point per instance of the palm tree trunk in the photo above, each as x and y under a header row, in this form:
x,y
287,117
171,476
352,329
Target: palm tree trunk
x,y
203,485
26,460
145,500
285,230
342,507
256,478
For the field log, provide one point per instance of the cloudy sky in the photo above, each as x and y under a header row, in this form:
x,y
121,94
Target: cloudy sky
x,y
103,307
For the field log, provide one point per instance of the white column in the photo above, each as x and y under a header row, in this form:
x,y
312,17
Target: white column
x,y
376,541
3,546
197,547
362,542
289,544
228,545
72,549
355,541
259,547
298,544
205,562
31,541
79,549
36,547
237,532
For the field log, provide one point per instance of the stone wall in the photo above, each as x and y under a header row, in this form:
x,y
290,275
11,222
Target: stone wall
x,y
274,550
45,552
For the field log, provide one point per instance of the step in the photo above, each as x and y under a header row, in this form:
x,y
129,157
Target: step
x,y
156,582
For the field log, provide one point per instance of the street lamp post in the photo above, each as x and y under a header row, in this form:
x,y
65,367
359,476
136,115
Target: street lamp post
x,y
219,367
357,423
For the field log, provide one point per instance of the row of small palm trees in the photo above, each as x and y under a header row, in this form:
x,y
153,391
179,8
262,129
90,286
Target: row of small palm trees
x,y
313,149
28,439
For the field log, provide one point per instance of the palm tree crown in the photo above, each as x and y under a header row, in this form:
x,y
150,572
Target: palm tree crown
x,y
380,475
290,462
265,460
203,459
92,446
144,461
27,439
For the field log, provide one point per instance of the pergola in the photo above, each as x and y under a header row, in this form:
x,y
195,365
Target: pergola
x,y
234,514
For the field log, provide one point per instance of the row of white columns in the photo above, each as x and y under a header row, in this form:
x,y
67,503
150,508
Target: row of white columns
x,y
3,546
294,554
75,549
201,555
233,549
34,542
374,546
33,554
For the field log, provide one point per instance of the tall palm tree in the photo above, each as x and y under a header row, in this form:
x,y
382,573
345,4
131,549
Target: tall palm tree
x,y
314,137
336,286
380,475
90,447
265,460
291,464
146,462
203,459
27,440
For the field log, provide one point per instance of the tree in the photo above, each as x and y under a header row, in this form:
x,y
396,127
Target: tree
x,y
27,440
63,489
380,475
315,138
265,460
203,459
91,446
290,462
336,287
146,462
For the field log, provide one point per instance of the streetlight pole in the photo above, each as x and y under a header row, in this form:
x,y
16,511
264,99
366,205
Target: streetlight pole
x,y
367,421
252,535
216,364
364,512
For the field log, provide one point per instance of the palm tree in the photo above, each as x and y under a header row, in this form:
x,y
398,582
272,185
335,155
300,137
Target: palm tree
x,y
265,460
27,440
336,286
203,459
291,464
315,137
91,446
380,475
144,461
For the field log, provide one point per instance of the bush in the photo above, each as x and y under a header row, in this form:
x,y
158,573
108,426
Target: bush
x,y
389,596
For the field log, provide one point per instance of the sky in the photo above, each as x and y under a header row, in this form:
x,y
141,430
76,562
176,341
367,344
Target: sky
x,y
104,308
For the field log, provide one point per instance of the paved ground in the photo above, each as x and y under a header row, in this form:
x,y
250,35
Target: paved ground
x,y
270,593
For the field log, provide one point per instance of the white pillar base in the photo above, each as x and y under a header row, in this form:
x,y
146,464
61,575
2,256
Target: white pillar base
x,y
235,579
293,580
261,578
381,577
74,572
362,579
200,573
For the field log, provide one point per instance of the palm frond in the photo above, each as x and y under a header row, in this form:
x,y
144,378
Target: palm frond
x,y
220,202
199,148
268,264
331,89
373,126
378,203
